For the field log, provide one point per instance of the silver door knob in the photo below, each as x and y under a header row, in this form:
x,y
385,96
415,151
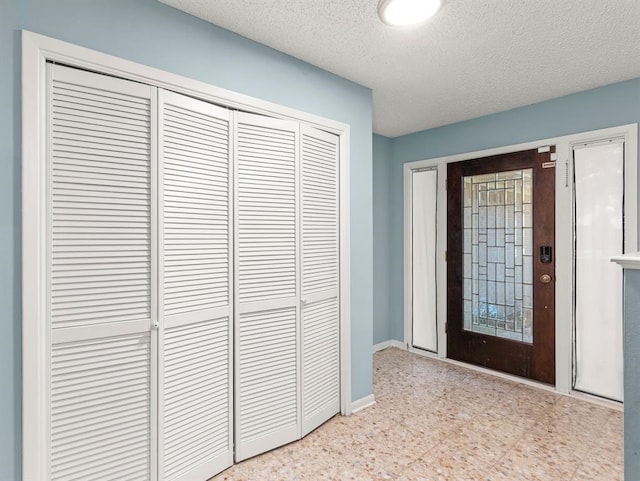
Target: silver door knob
x,y
545,278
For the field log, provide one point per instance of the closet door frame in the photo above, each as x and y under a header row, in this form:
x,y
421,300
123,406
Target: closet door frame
x,y
37,50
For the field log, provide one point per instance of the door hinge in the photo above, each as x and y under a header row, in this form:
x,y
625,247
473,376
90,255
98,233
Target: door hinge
x,y
544,149
446,327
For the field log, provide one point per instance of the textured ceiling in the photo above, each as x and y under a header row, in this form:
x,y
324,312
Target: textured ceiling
x,y
474,58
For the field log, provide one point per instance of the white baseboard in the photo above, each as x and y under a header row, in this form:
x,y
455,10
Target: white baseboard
x,y
387,344
362,403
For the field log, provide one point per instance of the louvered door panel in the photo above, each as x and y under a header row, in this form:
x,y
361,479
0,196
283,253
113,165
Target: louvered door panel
x,y
100,409
196,400
195,330
321,363
319,211
267,404
320,311
266,213
196,206
267,317
100,203
100,276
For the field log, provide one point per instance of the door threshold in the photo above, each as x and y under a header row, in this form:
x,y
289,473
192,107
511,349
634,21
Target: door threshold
x,y
600,401
590,398
503,375
608,403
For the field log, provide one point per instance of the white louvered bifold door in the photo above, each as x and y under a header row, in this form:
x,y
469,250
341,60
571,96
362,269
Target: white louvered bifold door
x,y
320,306
100,276
266,269
195,297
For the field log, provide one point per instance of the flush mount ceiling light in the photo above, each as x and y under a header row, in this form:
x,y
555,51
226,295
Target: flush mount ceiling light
x,y
403,13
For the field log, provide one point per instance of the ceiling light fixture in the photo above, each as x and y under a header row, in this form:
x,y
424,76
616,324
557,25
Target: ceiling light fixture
x,y
403,13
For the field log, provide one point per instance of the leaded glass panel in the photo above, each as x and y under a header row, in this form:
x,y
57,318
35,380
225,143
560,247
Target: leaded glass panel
x,y
498,254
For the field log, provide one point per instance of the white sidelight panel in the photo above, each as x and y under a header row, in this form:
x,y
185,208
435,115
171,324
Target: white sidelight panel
x,y
267,317
100,276
599,235
424,188
195,350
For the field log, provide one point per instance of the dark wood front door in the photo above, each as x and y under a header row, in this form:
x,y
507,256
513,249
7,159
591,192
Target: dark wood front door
x,y
501,263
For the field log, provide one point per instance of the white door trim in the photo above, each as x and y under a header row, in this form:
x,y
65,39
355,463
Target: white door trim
x,y
564,232
36,51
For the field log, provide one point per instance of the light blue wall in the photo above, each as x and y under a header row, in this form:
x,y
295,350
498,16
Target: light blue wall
x,y
631,373
154,34
608,106
381,187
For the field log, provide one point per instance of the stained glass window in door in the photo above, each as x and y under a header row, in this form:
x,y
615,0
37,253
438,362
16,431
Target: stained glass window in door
x,y
498,254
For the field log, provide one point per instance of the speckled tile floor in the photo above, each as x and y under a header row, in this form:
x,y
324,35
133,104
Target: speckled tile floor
x,y
433,421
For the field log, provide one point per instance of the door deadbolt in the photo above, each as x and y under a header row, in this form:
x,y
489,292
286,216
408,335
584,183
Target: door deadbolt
x,y
545,278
